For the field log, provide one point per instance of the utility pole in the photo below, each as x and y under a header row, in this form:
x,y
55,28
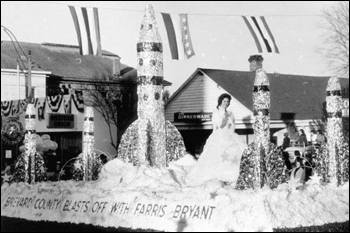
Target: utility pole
x,y
29,78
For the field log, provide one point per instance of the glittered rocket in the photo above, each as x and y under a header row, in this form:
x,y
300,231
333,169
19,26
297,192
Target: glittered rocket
x,y
30,143
88,140
261,109
150,139
334,130
261,125
150,108
87,165
262,163
30,167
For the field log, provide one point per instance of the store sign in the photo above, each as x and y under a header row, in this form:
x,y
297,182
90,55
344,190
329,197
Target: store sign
x,y
345,109
192,116
58,120
8,154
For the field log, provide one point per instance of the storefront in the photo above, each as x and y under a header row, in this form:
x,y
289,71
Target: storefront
x,y
62,118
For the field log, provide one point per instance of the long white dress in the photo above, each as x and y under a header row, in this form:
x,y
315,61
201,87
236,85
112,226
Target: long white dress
x,y
221,156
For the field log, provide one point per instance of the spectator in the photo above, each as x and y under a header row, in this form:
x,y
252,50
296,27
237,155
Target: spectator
x,y
308,164
286,141
321,139
313,137
71,90
64,90
302,138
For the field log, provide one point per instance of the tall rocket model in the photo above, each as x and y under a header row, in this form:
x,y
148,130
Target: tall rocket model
x,y
261,125
334,131
262,162
150,140
30,143
261,109
30,164
88,142
87,165
152,145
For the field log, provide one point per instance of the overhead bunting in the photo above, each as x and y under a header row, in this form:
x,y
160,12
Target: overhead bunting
x,y
179,36
264,40
87,26
54,102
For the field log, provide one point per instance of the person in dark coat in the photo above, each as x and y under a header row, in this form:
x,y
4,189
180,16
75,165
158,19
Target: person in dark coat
x,y
286,141
302,138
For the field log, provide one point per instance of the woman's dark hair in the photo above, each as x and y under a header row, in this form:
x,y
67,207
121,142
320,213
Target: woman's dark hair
x,y
222,97
320,131
299,160
302,131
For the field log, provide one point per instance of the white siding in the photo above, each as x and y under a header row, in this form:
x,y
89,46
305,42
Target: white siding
x,y
13,85
201,95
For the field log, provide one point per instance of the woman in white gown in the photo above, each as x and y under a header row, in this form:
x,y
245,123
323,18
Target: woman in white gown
x,y
221,156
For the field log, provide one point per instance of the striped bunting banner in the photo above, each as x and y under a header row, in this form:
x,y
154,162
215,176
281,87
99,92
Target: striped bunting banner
x,y
179,36
264,40
87,26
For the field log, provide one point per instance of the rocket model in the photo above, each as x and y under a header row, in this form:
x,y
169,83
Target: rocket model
x,y
261,126
261,109
334,130
30,166
150,140
150,110
88,142
30,144
84,166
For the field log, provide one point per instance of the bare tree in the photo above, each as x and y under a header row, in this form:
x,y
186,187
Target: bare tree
x,y
117,104
166,95
336,40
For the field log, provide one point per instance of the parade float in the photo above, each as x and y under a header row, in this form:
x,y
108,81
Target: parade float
x,y
145,187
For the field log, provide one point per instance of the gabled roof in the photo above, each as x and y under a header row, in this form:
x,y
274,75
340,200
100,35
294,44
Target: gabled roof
x,y
291,95
64,61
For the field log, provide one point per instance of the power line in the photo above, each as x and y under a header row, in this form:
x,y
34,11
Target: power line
x,y
222,15
10,34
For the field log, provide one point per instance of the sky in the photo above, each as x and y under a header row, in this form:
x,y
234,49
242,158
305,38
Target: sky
x,y
220,38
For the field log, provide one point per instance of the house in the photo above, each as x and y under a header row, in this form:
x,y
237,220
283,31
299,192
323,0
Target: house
x,y
295,99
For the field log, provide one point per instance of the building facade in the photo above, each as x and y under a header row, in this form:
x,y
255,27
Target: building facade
x,y
296,101
62,82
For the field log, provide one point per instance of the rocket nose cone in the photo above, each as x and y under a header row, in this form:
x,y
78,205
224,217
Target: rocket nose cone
x,y
149,29
261,78
89,111
149,15
30,109
149,9
333,84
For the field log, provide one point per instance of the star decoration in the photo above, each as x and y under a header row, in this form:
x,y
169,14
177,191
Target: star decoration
x,y
78,166
185,28
189,52
62,172
314,179
213,195
187,45
183,20
6,177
